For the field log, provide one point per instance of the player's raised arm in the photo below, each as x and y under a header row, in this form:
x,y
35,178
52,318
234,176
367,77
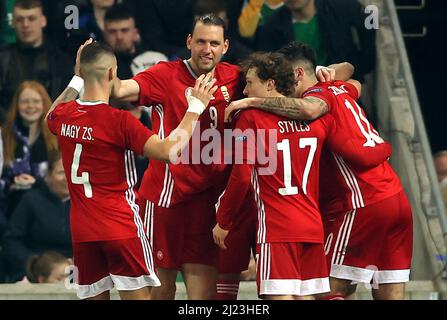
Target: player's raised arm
x,y
338,71
125,90
76,84
169,149
308,108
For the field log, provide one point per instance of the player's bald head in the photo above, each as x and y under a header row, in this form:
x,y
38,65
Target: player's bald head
x,y
96,60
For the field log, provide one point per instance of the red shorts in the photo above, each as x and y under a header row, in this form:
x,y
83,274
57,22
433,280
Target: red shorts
x,y
291,268
126,264
241,240
183,233
373,243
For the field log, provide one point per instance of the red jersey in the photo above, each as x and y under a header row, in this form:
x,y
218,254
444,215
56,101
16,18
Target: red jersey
x,y
346,185
165,87
97,144
285,186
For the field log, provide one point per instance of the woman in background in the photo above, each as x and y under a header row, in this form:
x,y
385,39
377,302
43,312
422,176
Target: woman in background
x,y
26,142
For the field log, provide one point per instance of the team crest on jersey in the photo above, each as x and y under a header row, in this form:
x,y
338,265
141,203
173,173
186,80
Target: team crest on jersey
x,y
188,92
159,255
225,93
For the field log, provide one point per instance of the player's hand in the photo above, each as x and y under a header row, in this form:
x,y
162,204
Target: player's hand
x,y
204,88
78,57
326,74
236,105
24,180
219,236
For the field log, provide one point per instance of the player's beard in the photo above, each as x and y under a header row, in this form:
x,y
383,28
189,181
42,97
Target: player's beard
x,y
205,68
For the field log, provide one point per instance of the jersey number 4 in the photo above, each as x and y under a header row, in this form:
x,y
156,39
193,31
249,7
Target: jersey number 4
x,y
84,178
284,146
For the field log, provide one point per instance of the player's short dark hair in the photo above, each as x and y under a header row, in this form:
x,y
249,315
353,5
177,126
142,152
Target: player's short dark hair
x,y
94,51
271,66
118,12
92,58
28,4
203,7
210,19
296,52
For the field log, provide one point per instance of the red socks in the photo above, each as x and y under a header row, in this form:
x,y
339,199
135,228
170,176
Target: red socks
x,y
227,289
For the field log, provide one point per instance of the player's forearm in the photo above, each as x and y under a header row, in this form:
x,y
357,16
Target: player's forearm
x,y
125,90
67,95
293,108
236,194
179,137
343,71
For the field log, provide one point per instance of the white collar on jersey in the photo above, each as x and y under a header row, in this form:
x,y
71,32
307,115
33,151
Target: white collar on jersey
x,y
89,103
190,69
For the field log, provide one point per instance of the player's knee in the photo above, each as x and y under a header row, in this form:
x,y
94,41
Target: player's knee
x,y
342,287
165,292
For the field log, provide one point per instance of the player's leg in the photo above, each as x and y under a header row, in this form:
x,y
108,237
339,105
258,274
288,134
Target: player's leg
x,y
200,253
346,235
138,294
167,242
389,291
227,286
168,287
395,263
200,281
291,271
102,296
91,272
240,242
131,267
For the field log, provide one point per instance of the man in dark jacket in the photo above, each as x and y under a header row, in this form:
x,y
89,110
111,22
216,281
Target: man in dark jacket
x,y
31,57
40,222
334,29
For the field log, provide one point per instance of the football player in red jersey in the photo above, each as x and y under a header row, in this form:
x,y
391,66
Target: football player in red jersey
x,y
362,199
290,258
97,142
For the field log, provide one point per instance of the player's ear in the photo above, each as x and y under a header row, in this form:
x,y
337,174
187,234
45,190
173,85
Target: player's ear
x,y
270,84
299,73
226,46
111,74
188,41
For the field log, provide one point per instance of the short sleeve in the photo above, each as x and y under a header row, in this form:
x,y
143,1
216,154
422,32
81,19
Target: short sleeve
x,y
321,93
53,120
135,133
352,90
152,84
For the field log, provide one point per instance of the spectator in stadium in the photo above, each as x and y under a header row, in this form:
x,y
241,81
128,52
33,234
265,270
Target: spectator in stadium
x,y
121,34
32,57
26,142
40,222
49,267
237,50
334,29
7,34
440,159
164,25
254,14
92,20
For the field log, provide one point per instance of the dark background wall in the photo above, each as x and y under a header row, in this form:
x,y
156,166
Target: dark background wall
x,y
428,59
